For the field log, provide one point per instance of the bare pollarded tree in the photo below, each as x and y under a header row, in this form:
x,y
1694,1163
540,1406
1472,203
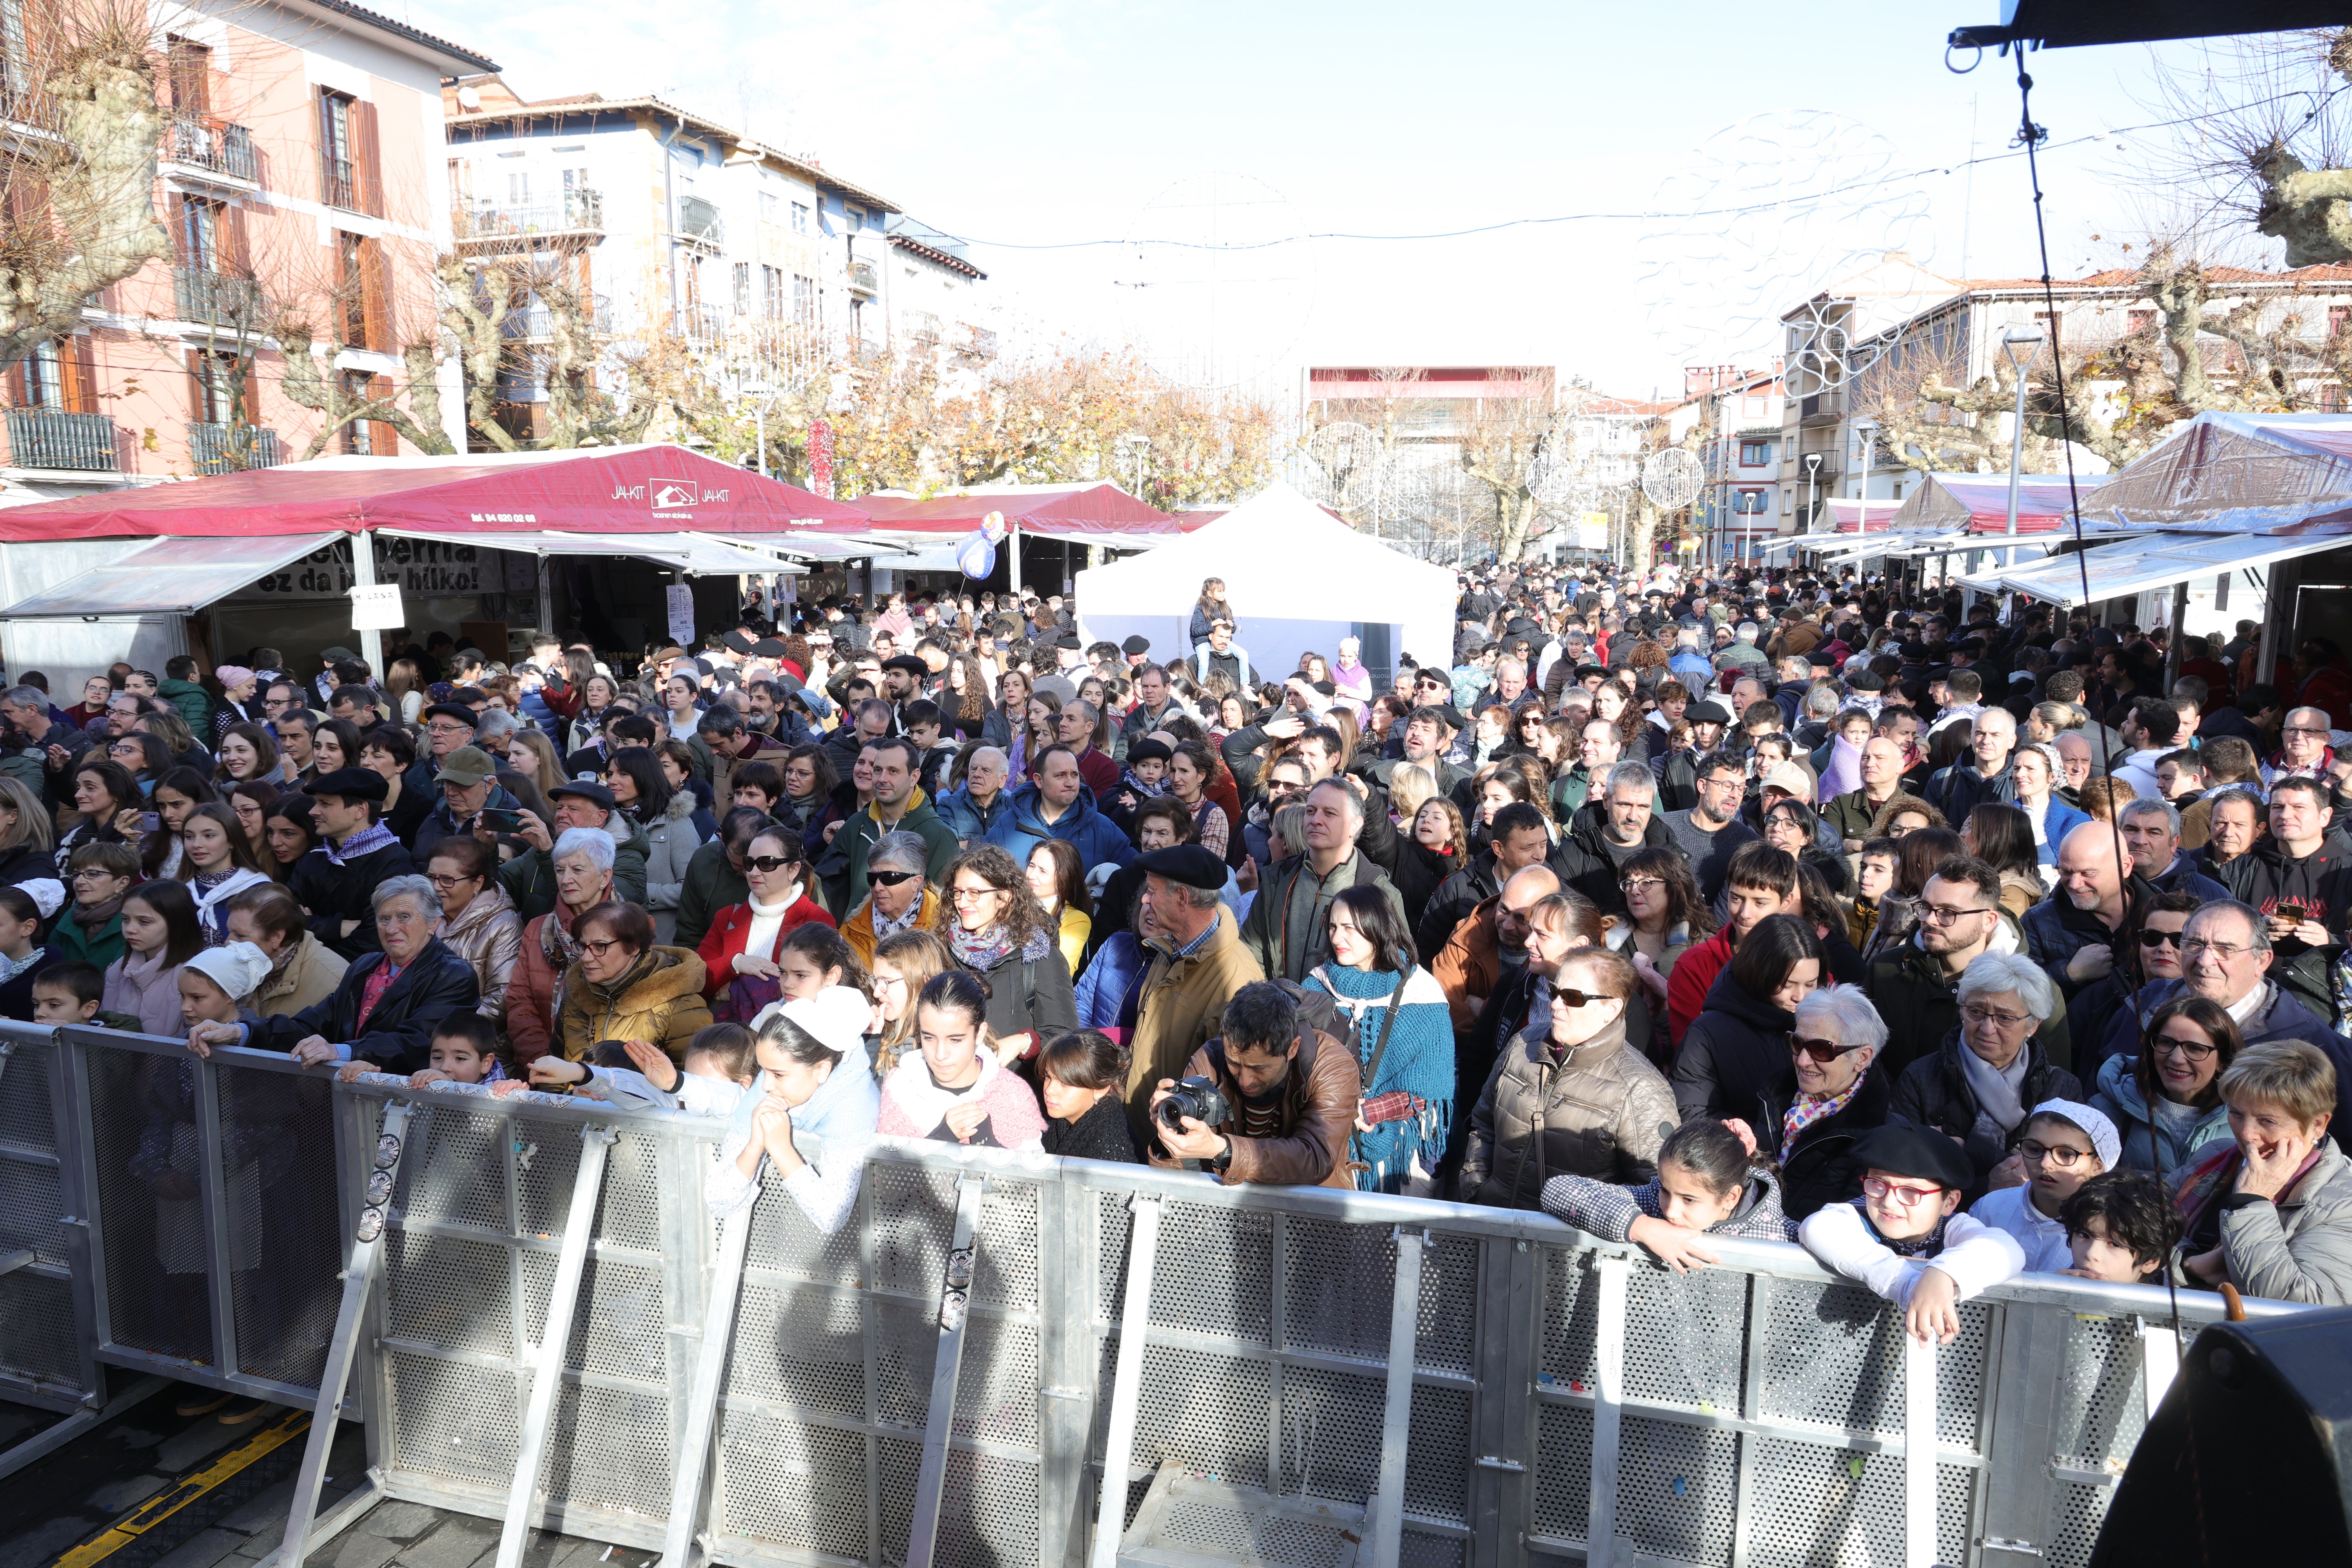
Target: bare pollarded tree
x,y
80,131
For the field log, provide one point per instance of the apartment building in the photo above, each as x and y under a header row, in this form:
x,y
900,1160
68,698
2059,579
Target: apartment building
x,y
1893,314
1743,457
301,178
674,224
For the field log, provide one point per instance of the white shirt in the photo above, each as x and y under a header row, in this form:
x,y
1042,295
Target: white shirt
x,y
2042,1238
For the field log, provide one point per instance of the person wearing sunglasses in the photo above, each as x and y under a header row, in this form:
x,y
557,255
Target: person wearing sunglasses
x,y
1570,1099
1904,1239
740,953
898,897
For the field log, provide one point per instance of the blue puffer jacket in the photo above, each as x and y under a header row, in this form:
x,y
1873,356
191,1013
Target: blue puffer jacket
x,y
1083,828
1109,979
971,822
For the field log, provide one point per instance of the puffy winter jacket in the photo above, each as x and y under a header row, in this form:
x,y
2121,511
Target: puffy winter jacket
x,y
1734,1054
1083,827
657,999
2153,1143
671,844
1604,1114
488,934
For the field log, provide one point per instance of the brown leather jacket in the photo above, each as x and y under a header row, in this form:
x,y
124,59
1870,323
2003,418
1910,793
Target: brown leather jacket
x,y
1470,964
1318,1108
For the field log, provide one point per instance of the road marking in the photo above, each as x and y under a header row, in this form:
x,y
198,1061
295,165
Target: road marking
x,y
187,1489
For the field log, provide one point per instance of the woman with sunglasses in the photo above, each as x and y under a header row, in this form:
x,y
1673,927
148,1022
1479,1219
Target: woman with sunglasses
x,y
2167,1100
740,952
1833,1097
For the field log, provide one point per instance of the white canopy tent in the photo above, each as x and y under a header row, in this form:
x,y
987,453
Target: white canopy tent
x,y
1297,579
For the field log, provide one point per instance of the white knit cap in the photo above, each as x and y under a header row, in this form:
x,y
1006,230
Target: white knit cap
x,y
2106,1141
836,1016
237,968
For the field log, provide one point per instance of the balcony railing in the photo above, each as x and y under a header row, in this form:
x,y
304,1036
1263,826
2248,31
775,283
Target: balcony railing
x,y
701,324
222,448
199,294
217,146
339,182
981,345
923,329
699,220
580,212
538,323
865,277
50,438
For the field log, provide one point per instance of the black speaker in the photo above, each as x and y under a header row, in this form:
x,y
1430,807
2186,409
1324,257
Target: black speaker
x,y
2249,1458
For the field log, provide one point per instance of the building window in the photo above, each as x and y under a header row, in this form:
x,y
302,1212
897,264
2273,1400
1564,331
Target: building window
x,y
800,217
1750,503
188,69
1788,502
856,320
854,219
338,150
803,300
518,187
768,206
359,434
203,223
772,293
1755,454
742,287
2338,317
217,388
45,377
358,285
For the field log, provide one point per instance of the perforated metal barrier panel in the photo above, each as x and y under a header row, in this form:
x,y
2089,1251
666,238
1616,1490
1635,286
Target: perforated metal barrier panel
x,y
942,1381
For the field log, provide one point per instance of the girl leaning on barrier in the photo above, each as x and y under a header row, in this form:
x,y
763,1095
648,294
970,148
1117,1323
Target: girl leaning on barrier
x,y
1709,1183
813,1083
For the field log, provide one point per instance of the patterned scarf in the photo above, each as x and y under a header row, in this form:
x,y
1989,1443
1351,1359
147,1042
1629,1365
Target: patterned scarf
x,y
984,950
375,836
1808,1109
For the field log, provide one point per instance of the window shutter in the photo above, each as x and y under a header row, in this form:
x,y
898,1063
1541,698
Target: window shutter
x,y
374,306
74,356
328,195
178,218
383,439
367,160
235,257
15,383
198,409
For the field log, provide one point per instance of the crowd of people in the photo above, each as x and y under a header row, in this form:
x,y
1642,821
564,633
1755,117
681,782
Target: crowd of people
x,y
1948,942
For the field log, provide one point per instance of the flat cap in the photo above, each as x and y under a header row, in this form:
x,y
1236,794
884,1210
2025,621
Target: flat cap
x,y
1187,864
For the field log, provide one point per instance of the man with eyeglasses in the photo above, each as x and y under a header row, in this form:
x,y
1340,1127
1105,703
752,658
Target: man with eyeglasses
x,y
2303,751
2227,956
1710,832
2300,878
1916,986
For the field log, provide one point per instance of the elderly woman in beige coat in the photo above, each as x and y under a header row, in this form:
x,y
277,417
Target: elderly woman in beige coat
x,y
477,918
303,971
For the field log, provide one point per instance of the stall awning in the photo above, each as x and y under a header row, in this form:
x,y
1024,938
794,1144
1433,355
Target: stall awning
x,y
170,576
2151,561
654,488
696,554
1081,514
818,546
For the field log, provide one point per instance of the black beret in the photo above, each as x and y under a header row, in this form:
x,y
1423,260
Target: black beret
x,y
1187,864
1707,712
735,642
1866,680
1135,644
1068,639
351,784
909,662
456,711
768,647
1922,1154
1147,750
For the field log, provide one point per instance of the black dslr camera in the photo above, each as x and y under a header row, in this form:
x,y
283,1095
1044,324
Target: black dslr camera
x,y
1195,1097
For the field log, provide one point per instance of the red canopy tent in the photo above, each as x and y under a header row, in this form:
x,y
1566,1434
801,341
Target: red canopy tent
x,y
620,489
1078,514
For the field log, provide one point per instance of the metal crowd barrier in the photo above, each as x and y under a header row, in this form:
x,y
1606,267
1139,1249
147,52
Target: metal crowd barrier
x,y
541,1324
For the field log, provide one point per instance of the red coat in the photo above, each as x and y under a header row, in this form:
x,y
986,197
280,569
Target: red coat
x,y
1694,973
732,929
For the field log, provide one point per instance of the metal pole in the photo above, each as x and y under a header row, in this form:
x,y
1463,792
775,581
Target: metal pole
x,y
545,1361
1614,1275
2016,451
1396,1421
1126,1379
702,1403
1919,1452
1013,544
955,1299
359,1278
371,641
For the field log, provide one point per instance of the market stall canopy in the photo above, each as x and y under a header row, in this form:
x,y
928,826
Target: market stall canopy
x,y
2282,466
1077,514
170,576
1945,503
595,490
692,553
1296,578
2147,560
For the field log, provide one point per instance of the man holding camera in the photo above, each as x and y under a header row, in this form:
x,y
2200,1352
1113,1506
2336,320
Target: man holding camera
x,y
1271,1101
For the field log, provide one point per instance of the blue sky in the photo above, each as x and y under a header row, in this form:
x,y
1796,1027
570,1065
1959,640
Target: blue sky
x,y
1039,123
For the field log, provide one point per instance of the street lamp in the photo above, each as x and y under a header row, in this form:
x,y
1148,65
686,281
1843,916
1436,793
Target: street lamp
x,y
2018,345
1812,491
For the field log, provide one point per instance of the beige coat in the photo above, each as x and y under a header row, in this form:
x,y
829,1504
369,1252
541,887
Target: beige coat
x,y
1181,1007
306,979
1604,1114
